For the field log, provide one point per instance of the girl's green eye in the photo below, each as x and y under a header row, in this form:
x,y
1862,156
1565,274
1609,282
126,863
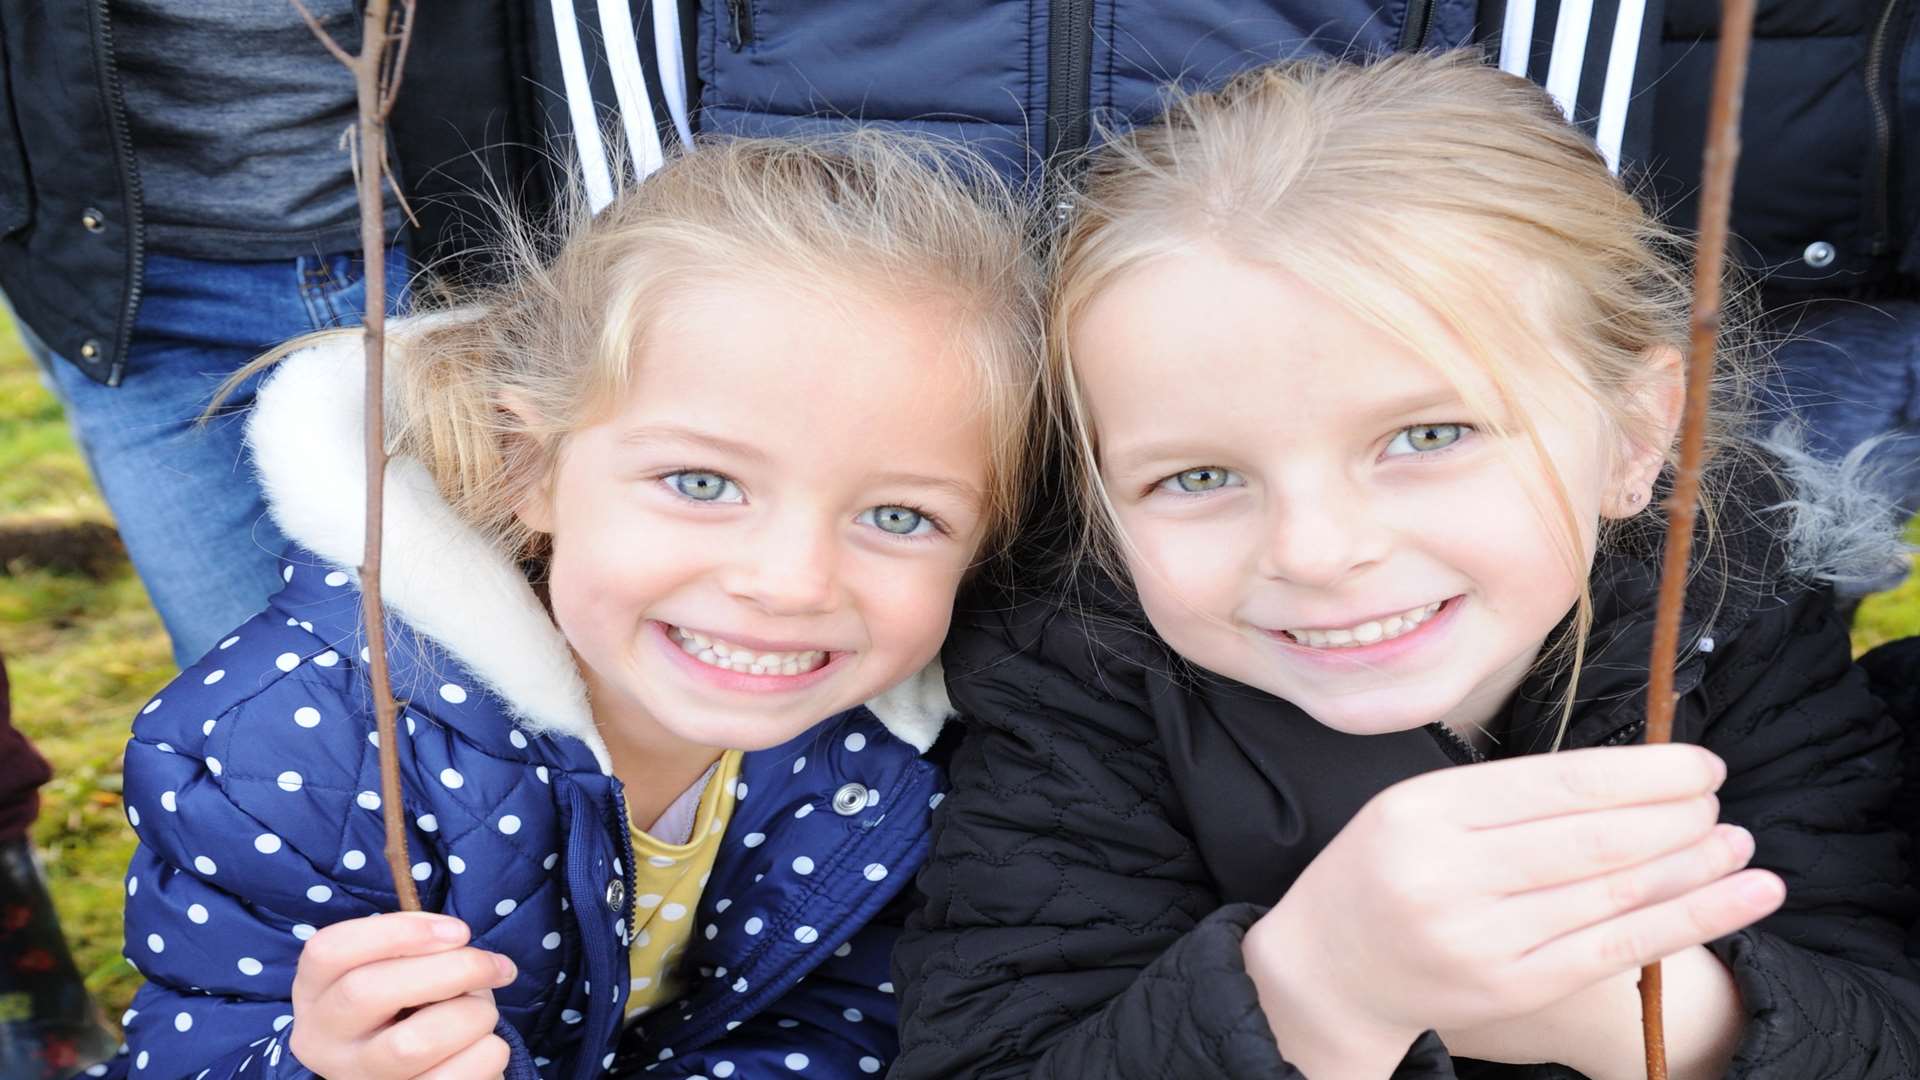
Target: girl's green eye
x,y
898,520
1195,481
704,486
1425,438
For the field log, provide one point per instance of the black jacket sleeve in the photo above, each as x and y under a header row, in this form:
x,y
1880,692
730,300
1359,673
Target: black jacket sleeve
x,y
1071,929
1814,765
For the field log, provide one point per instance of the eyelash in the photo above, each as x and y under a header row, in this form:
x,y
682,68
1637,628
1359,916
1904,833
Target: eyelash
x,y
940,526
1465,431
1165,482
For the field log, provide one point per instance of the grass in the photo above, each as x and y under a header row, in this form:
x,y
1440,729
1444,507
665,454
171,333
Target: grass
x,y
84,654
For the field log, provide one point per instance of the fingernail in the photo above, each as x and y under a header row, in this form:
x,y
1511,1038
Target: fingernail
x,y
1739,841
450,930
1762,890
502,965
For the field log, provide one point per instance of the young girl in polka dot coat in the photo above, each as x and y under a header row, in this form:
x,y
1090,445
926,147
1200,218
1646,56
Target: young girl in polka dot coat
x,y
673,532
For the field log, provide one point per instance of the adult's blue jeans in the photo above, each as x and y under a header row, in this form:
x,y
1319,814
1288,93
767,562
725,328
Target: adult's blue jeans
x,y
1850,370
184,494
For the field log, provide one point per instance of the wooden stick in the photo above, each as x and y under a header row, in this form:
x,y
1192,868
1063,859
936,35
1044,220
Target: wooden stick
x,y
1716,204
376,75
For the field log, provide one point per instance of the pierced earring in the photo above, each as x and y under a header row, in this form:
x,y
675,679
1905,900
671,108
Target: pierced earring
x,y
1634,498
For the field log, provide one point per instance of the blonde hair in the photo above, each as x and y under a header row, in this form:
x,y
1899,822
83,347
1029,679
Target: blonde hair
x,y
1438,199
485,395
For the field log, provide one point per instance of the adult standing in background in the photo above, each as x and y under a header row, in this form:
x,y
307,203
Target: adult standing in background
x,y
1027,84
1826,208
175,199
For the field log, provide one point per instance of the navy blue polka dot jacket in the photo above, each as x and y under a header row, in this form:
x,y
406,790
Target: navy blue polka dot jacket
x,y
252,781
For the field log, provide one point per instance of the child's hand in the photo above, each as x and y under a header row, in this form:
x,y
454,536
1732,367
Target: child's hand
x,y
1474,895
355,979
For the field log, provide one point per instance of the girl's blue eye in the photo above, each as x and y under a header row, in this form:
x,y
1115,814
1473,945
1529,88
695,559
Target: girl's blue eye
x,y
1198,481
704,486
1424,439
898,520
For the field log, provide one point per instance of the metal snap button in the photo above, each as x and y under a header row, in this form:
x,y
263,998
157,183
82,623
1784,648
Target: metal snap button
x,y
616,894
93,219
850,799
1819,254
90,350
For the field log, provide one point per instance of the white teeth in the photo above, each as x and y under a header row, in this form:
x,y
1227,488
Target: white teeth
x,y
721,654
1367,633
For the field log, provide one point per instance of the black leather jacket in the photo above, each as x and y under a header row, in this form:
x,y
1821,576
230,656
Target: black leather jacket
x,y
1827,197
71,243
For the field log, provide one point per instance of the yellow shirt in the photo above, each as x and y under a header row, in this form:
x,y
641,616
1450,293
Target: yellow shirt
x,y
668,880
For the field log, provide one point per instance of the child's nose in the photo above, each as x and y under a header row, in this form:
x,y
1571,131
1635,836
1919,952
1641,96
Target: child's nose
x,y
1320,541
788,571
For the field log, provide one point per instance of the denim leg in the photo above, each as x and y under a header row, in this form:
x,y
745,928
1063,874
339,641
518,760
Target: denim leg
x,y
1850,371
184,494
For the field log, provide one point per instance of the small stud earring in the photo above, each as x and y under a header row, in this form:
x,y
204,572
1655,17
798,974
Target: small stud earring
x,y
1634,498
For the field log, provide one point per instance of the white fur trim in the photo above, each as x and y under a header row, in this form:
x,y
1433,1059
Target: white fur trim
x,y
915,710
437,573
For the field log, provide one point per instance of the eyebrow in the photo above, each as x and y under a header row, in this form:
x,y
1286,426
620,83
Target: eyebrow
x,y
648,436
960,489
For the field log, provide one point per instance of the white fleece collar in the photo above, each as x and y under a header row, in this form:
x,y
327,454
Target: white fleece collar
x,y
437,573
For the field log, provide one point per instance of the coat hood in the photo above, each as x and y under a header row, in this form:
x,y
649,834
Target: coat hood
x,y
438,574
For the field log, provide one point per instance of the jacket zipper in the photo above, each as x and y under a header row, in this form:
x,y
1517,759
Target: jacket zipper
x,y
1069,72
740,23
130,185
1624,735
1460,750
1881,175
1419,19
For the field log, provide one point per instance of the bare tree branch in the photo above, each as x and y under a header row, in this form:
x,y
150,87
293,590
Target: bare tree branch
x,y
376,75
320,32
397,65
1716,206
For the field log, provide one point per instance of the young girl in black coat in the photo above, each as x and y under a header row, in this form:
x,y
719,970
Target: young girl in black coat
x,y
1371,377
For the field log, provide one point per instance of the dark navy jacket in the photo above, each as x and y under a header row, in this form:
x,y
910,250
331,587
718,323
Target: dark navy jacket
x,y
1027,82
252,782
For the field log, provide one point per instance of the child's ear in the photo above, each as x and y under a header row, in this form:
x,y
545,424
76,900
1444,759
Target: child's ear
x,y
1659,401
534,503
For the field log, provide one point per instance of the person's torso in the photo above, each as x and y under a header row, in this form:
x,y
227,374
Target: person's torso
x,y
1823,199
525,838
235,112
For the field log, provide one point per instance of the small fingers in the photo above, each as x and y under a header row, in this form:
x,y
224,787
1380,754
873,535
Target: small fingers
x,y
434,1035
1552,851
1640,937
485,1059
369,996
1578,781
340,948
1546,914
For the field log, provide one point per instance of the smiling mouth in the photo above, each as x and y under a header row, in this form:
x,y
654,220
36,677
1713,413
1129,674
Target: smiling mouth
x,y
1371,632
717,652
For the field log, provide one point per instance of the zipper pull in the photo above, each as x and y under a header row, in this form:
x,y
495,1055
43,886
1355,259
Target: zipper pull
x,y
739,22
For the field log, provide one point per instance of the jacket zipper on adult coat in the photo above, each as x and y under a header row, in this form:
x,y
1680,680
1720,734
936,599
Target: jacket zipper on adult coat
x,y
1878,77
1413,33
129,188
1069,73
739,23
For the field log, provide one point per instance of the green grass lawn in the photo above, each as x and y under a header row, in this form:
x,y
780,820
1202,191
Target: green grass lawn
x,y
84,654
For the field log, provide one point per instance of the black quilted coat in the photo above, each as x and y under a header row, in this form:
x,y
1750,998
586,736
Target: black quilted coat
x,y
1118,821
